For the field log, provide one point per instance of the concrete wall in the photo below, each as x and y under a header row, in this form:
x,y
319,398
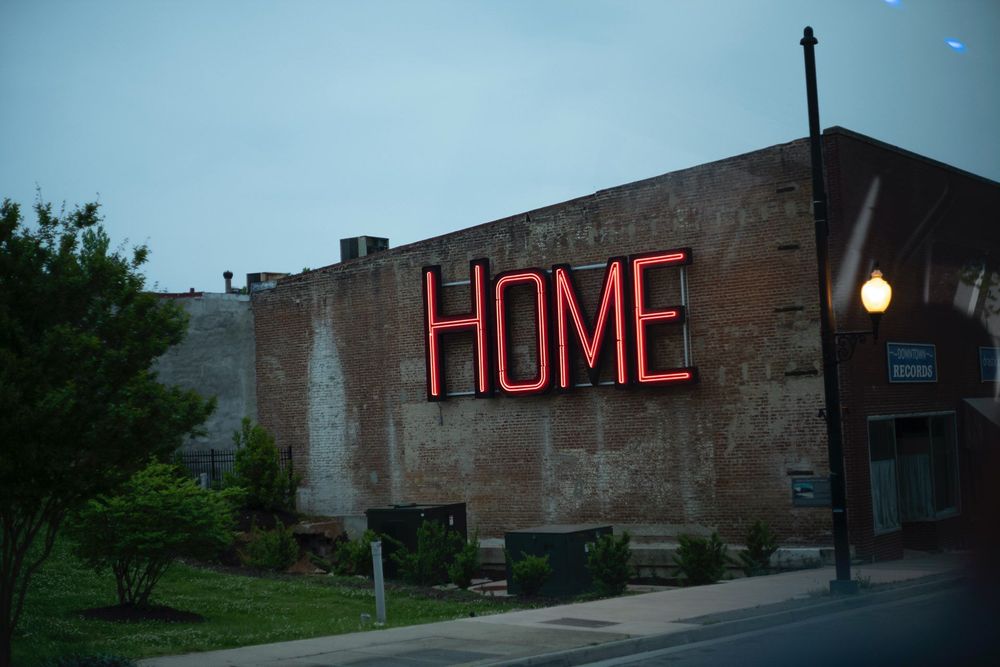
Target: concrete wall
x,y
340,370
216,358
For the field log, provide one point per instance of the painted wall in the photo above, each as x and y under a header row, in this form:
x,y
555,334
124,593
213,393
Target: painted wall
x,y
341,378
216,358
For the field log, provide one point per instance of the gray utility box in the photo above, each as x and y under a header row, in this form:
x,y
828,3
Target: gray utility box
x,y
567,548
401,522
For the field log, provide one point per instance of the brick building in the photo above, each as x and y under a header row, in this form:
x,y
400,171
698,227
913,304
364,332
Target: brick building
x,y
344,372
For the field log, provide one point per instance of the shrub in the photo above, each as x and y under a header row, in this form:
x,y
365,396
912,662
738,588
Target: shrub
x,y
466,563
761,545
531,573
156,517
257,470
272,549
354,557
701,560
608,562
437,547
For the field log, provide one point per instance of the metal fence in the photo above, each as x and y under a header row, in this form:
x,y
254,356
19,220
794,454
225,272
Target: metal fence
x,y
217,462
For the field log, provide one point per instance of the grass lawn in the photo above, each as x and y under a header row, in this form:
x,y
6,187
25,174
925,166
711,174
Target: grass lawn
x,y
239,610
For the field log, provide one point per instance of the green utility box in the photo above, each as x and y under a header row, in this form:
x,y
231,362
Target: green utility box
x,y
402,521
566,545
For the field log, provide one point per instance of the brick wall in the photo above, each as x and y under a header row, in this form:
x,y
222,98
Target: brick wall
x,y
340,369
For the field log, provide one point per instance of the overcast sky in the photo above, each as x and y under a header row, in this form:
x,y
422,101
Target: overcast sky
x,y
253,135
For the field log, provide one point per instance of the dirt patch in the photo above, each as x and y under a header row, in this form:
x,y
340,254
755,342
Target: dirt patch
x,y
133,614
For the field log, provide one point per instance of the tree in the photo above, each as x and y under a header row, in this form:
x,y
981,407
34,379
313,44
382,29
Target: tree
x,y
761,545
82,411
154,518
609,563
257,470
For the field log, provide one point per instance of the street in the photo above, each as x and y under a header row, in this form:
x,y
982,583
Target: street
x,y
949,627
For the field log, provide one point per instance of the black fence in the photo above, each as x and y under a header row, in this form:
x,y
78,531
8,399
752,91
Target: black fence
x,y
217,462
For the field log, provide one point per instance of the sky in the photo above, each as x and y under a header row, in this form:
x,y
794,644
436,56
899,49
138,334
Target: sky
x,y
252,135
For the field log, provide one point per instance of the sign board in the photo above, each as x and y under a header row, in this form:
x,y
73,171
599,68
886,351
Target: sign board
x,y
989,364
811,492
912,362
624,317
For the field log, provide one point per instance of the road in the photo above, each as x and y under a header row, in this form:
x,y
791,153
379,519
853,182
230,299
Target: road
x,y
949,627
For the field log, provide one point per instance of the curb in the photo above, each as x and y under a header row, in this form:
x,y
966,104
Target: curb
x,y
627,647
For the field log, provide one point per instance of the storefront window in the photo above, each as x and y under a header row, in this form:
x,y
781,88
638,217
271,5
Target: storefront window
x,y
913,452
914,469
945,465
885,494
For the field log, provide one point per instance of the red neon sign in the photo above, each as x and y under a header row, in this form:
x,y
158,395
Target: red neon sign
x,y
644,317
568,310
543,377
623,307
436,325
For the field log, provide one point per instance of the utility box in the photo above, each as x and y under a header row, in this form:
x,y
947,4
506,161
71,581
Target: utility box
x,y
401,522
566,545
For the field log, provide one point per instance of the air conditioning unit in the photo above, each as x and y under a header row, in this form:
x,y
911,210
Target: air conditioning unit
x,y
361,246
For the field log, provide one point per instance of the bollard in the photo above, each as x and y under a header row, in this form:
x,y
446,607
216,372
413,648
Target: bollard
x,y
379,584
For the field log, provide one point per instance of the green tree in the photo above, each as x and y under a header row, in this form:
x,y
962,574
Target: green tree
x,y
701,560
82,411
275,550
761,545
154,518
531,573
437,547
257,470
466,563
609,563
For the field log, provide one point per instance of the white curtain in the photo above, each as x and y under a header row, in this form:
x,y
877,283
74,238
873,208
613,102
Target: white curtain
x,y
915,494
885,504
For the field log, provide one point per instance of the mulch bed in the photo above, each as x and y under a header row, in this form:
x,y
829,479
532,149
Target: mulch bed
x,y
133,614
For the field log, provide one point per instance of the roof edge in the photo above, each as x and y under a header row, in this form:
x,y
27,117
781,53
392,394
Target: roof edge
x,y
838,130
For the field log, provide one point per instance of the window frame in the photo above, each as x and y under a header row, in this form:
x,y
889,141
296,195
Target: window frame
x,y
946,513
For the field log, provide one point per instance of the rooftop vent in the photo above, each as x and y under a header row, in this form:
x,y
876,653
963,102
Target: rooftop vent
x,y
361,246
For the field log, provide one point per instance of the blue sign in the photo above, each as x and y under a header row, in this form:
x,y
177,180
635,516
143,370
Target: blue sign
x,y
989,364
912,362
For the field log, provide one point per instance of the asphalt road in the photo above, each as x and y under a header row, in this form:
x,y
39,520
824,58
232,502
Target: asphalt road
x,y
955,626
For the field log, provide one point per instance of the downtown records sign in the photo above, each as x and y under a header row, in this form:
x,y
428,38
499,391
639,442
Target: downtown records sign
x,y
911,362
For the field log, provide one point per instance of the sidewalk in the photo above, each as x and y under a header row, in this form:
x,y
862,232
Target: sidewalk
x,y
565,634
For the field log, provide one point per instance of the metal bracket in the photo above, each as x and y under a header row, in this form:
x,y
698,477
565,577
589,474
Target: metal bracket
x,y
846,342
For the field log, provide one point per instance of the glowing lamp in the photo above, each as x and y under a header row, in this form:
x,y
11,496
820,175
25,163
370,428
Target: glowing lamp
x,y
876,295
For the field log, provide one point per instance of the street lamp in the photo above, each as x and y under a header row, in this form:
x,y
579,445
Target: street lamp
x,y
836,347
876,295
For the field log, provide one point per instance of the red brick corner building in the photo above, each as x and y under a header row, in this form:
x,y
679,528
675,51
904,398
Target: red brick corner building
x,y
343,367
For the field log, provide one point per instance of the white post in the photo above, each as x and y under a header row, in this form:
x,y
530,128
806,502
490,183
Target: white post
x,y
379,583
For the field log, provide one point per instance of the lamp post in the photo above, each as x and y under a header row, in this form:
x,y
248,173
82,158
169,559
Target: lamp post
x,y
835,347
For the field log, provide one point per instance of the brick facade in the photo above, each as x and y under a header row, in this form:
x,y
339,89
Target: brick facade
x,y
927,222
341,369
